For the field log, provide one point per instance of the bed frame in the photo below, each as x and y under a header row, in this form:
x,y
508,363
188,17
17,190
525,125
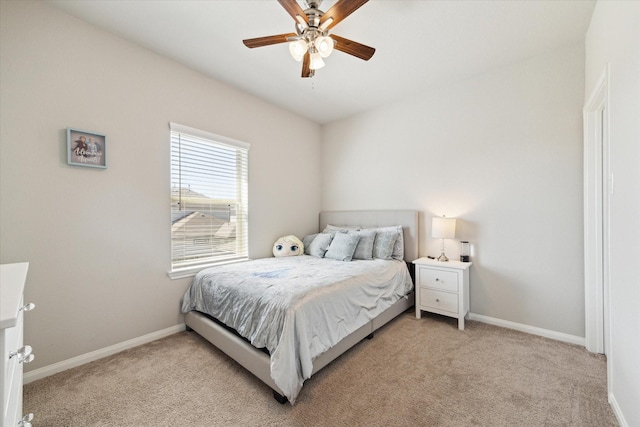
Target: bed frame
x,y
257,361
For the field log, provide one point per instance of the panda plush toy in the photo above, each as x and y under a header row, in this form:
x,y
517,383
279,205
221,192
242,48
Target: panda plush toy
x,y
288,246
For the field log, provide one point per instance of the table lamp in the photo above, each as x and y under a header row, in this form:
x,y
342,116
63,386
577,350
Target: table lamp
x,y
443,228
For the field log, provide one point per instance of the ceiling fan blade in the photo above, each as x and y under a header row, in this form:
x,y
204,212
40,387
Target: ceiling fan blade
x,y
353,48
266,41
340,10
293,8
306,69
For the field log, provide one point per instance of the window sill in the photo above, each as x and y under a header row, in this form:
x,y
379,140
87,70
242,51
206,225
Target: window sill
x,y
190,272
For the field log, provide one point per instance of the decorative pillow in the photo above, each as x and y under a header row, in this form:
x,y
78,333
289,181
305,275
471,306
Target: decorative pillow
x,y
319,245
333,229
384,243
342,247
342,228
288,246
398,249
306,241
364,250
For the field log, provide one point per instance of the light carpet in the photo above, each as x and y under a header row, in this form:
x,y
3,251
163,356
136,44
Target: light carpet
x,y
413,372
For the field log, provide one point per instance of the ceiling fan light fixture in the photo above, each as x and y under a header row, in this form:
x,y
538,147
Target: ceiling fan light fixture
x,y
316,61
324,46
311,42
297,49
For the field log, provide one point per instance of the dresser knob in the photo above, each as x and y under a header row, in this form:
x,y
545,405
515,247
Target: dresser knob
x,y
437,280
26,420
24,354
437,299
28,307
27,359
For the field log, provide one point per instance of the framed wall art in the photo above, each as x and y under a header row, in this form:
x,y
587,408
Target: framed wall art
x,y
86,148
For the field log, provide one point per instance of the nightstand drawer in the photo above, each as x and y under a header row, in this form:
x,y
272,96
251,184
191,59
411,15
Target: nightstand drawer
x,y
439,300
439,279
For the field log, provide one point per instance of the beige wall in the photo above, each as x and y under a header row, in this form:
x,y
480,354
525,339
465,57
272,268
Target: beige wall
x,y
503,153
613,40
98,240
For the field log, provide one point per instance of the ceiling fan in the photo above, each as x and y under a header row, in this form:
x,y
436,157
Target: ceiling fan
x,y
311,42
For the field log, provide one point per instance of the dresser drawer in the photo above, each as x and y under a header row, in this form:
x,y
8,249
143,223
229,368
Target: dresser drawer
x,y
11,341
13,392
439,300
12,281
439,279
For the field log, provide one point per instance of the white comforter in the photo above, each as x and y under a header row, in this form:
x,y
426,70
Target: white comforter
x,y
297,307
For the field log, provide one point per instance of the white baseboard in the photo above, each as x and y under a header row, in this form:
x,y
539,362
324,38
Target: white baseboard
x,y
572,339
616,411
46,371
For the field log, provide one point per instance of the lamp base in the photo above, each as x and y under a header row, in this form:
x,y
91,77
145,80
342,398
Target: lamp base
x,y
443,257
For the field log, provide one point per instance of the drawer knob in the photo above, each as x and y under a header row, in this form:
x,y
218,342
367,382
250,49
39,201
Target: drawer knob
x,y
437,280
28,307
24,354
437,299
26,420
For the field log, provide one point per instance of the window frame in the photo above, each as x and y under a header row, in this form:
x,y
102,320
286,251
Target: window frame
x,y
242,202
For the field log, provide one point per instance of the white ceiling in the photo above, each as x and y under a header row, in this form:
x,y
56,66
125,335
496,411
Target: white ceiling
x,y
419,44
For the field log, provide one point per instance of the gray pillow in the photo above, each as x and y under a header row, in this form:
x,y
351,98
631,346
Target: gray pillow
x,y
319,245
333,229
364,250
342,228
306,241
398,248
384,243
342,247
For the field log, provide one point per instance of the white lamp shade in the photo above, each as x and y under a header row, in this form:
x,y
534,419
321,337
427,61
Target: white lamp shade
x,y
443,228
297,49
316,61
324,45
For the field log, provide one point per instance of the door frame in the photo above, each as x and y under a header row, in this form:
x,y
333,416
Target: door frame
x,y
597,186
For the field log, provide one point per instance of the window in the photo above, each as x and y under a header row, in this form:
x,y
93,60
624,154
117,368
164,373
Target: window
x,y
209,180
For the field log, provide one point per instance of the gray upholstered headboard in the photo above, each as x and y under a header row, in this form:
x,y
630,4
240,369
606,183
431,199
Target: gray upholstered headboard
x,y
408,219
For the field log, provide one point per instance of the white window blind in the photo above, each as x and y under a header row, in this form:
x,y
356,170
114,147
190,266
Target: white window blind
x,y
209,199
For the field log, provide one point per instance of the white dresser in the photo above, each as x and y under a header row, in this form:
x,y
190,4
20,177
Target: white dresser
x,y
442,288
14,353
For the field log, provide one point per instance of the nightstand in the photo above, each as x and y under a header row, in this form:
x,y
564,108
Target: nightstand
x,y
442,288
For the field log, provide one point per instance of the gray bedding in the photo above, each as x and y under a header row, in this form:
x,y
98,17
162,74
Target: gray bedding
x,y
297,307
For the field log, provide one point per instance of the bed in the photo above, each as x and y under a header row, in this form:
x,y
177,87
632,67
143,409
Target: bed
x,y
294,352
